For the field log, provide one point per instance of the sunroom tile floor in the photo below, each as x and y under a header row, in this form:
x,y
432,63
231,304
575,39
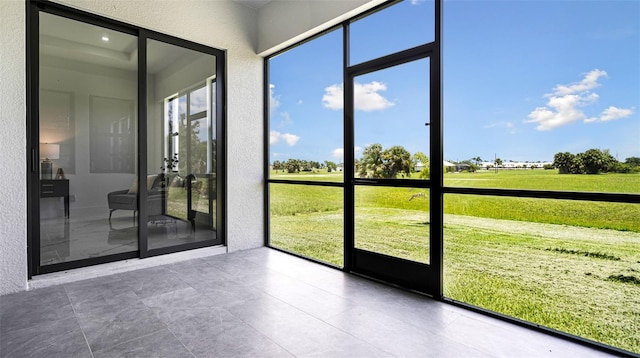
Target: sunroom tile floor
x,y
254,303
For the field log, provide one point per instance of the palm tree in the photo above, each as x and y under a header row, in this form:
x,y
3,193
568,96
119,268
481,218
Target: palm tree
x,y
396,160
371,163
376,163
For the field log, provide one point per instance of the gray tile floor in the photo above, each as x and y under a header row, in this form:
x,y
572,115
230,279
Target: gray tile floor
x,y
254,303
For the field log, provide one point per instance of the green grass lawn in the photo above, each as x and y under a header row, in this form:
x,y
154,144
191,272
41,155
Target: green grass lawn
x,y
509,179
569,265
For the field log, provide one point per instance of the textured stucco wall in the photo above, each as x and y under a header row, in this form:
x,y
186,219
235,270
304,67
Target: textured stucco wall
x,y
222,24
284,22
13,197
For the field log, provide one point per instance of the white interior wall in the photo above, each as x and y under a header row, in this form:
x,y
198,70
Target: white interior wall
x,y
90,189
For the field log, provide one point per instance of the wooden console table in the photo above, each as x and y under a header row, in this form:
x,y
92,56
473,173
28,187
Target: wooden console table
x,y
53,188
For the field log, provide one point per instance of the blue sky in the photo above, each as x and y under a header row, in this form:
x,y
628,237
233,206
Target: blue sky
x,y
522,80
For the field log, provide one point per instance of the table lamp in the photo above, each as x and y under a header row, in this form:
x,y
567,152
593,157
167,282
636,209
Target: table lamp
x,y
48,151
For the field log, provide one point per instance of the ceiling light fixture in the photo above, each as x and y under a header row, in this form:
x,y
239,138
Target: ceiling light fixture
x,y
105,38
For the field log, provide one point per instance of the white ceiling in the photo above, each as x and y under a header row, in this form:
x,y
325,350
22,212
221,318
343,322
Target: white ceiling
x,y
254,4
76,41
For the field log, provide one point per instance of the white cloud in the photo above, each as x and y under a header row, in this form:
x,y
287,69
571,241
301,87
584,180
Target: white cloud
x,y
290,139
286,119
590,81
274,101
366,96
565,104
332,98
417,2
274,137
613,113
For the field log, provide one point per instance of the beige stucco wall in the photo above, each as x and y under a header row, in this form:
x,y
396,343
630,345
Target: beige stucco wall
x,y
13,196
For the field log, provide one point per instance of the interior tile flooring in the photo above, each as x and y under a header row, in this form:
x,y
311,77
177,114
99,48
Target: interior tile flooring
x,y
254,303
89,233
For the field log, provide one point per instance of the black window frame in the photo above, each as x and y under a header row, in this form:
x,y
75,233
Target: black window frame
x,y
436,182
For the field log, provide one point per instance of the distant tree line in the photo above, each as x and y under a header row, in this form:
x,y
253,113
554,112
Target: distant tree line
x,y
594,161
375,162
301,165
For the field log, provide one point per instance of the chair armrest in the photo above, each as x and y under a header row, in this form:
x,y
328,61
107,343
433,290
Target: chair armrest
x,y
118,192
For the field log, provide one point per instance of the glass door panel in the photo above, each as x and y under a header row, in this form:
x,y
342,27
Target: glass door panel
x,y
392,145
393,221
391,115
181,146
87,133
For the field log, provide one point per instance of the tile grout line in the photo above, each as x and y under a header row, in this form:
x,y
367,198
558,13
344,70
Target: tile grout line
x,y
75,315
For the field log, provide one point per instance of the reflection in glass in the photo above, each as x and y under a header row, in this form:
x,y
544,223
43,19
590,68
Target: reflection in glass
x,y
181,145
198,101
88,96
391,109
393,221
567,265
308,220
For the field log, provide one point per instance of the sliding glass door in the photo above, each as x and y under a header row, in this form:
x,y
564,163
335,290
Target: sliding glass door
x,y
88,126
181,146
125,155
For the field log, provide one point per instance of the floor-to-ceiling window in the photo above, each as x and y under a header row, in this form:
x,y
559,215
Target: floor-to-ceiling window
x,y
349,115
126,158
306,155
542,137
537,166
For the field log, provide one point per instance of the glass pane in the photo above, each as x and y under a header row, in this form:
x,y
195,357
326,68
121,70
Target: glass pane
x,y
181,150
87,106
306,111
391,109
308,220
393,221
568,265
521,117
198,101
402,26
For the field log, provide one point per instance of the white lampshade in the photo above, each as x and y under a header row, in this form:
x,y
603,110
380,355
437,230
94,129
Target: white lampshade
x,y
49,151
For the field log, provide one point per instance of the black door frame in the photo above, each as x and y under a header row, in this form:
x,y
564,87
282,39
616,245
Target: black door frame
x,y
425,278
33,9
